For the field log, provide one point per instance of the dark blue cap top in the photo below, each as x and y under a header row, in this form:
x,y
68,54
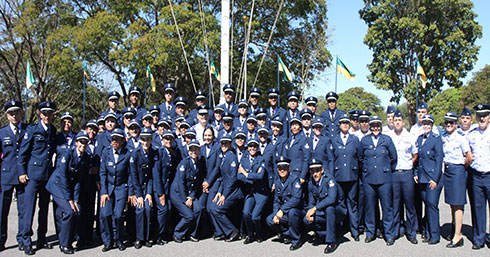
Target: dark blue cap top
x,y
254,91
332,96
82,135
422,105
47,106
273,92
66,115
390,109
229,88
200,94
293,95
306,113
398,114
450,116
12,105
113,95
311,100
134,90
154,109
169,87
466,112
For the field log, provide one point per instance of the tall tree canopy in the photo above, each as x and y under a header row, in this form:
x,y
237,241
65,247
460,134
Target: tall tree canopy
x,y
440,34
355,98
119,39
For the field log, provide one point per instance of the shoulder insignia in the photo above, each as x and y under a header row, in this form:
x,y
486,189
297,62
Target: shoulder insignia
x,y
26,136
63,160
297,185
182,168
233,164
331,183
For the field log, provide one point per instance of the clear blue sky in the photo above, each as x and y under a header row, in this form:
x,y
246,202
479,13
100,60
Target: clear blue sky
x,y
347,32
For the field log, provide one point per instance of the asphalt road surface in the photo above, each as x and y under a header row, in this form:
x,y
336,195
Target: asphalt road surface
x,y
209,247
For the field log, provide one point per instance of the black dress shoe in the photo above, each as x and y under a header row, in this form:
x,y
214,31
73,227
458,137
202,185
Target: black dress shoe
x,y
287,241
260,239
248,240
477,247
66,250
379,234
219,238
455,245
243,235
423,236
42,245
106,248
2,247
425,240
121,246
390,242
330,248
433,242
402,234
412,240
234,236
177,240
295,246
21,247
148,244
28,250
138,244
193,239
369,239
356,238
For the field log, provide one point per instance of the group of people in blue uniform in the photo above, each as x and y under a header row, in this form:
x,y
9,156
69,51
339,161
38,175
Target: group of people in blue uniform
x,y
147,176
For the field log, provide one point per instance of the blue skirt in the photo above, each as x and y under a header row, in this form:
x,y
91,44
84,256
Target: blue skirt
x,y
455,184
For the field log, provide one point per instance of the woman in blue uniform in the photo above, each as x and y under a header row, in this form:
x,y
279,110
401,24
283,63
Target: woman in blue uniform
x,y
64,186
252,172
428,176
186,193
457,155
379,157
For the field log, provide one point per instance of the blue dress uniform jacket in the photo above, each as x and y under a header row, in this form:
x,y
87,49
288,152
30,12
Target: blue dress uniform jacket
x,y
114,175
164,110
9,148
278,112
269,156
255,182
430,158
299,153
332,125
322,151
9,178
346,158
36,152
379,160
323,196
102,142
233,108
210,158
141,168
62,142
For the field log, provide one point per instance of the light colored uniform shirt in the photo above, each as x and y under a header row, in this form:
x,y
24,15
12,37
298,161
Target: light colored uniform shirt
x,y
455,146
405,148
417,130
480,147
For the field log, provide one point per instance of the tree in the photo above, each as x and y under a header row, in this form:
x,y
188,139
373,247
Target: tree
x,y
440,34
356,98
448,100
477,91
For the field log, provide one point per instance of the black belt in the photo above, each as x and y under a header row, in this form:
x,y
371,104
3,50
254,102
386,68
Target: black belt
x,y
402,170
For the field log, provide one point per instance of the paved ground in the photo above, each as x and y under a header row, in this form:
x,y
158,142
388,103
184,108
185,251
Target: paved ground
x,y
209,247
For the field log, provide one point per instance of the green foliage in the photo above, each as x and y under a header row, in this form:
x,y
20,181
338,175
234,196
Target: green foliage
x,y
477,91
446,101
441,34
356,98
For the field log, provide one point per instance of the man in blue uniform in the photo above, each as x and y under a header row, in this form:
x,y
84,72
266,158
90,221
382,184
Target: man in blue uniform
x,y
114,173
298,150
479,140
255,94
168,108
292,112
275,110
200,100
286,215
322,200
345,148
332,114
65,139
64,186
229,105
134,98
35,167
311,104
11,137
113,102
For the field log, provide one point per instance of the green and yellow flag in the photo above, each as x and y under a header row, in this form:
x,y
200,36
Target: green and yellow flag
x,y
342,69
85,70
151,79
215,71
29,77
420,71
283,68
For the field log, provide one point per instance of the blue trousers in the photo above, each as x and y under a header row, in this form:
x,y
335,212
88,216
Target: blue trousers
x,y
222,224
431,201
383,192
481,194
6,192
162,215
347,194
142,220
65,221
403,196
253,207
324,224
289,225
190,217
112,220
86,202
31,191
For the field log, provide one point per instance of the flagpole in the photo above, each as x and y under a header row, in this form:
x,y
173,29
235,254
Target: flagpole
x,y
279,91
336,63
84,82
149,83
25,108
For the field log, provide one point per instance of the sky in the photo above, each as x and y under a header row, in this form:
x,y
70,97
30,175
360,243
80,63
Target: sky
x,y
347,31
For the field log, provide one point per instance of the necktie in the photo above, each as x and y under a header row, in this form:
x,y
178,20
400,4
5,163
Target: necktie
x,y
307,134
116,156
251,159
274,140
16,132
292,141
169,107
272,113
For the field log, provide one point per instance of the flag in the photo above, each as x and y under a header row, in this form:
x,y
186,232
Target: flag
x,y
282,67
342,69
29,77
151,79
85,70
421,72
215,71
